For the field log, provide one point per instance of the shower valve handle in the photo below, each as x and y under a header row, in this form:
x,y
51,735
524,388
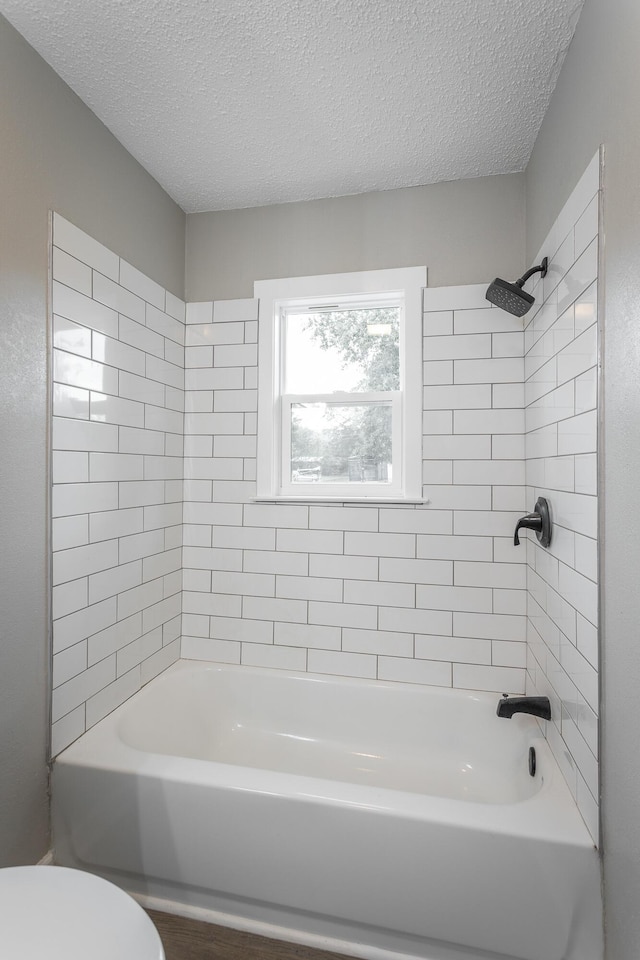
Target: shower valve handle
x,y
539,520
532,521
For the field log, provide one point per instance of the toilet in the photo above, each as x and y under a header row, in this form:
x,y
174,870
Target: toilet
x,y
64,914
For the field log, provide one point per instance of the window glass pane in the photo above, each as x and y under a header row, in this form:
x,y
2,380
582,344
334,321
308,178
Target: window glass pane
x,y
340,443
345,350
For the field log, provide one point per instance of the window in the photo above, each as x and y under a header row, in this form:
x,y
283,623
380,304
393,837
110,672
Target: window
x,y
340,377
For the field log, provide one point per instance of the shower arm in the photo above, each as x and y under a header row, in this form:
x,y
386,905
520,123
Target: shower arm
x,y
542,268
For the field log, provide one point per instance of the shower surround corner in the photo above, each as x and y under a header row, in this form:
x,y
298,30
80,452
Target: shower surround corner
x,y
117,403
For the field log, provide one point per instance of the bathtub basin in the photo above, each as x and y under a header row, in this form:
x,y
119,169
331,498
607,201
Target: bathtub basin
x,y
376,819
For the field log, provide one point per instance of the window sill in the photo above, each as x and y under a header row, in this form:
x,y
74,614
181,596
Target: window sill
x,y
372,501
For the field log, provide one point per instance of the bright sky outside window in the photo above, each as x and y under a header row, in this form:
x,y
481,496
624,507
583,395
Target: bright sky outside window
x,y
346,350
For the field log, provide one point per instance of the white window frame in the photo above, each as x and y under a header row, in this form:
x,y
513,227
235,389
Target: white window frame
x,y
403,284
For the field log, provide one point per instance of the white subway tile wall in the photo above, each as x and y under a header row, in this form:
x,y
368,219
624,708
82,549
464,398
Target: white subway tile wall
x,y
561,390
429,594
117,468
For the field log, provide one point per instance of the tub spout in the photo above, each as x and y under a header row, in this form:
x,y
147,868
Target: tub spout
x,y
536,706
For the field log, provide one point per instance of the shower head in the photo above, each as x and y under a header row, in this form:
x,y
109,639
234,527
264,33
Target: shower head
x,y
510,296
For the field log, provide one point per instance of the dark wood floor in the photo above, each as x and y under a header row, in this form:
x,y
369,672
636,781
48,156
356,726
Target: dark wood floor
x,y
185,939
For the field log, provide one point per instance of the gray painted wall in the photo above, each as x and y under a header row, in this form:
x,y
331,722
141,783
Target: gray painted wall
x,y
54,154
467,231
596,100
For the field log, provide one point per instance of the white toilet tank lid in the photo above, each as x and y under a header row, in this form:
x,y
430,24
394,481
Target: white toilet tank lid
x,y
64,914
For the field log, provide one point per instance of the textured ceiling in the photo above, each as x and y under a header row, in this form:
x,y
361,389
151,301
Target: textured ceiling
x,y
236,103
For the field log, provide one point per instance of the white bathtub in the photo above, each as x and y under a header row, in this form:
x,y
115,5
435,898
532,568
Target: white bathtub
x,y
376,819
